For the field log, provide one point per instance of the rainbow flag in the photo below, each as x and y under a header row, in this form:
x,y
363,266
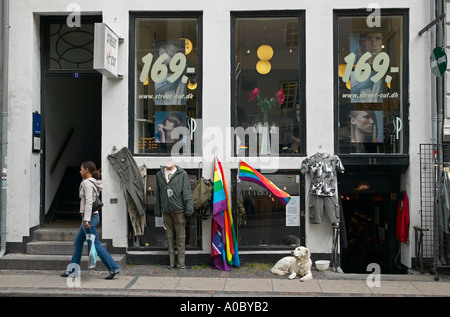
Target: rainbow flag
x,y
224,251
249,174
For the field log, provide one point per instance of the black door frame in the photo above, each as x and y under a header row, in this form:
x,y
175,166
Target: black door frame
x,y
388,185
44,47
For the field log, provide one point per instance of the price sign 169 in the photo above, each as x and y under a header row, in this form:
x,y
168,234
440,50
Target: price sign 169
x,y
160,70
363,70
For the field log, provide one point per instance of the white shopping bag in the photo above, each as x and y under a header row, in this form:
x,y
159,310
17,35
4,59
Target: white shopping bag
x,y
92,259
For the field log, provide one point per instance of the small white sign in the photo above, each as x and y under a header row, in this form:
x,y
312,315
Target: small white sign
x,y
159,222
106,51
293,212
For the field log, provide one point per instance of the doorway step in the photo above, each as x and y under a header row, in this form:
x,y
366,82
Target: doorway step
x,y
66,203
51,249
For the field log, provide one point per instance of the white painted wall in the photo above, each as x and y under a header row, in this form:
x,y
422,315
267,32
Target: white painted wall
x,y
23,167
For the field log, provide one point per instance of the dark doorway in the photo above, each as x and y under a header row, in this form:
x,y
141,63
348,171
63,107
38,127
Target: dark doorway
x,y
369,204
71,113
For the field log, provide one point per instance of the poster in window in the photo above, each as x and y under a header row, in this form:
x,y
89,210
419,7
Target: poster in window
x,y
293,212
366,126
166,122
366,90
171,91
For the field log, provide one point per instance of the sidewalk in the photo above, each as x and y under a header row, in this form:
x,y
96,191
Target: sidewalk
x,y
246,281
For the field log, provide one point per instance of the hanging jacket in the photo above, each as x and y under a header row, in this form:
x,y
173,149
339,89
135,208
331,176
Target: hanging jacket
x,y
444,203
89,188
402,228
173,195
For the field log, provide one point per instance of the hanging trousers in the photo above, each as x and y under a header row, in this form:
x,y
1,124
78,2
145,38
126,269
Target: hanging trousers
x,y
133,186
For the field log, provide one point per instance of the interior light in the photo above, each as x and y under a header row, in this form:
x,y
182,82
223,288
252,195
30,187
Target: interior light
x,y
362,185
192,85
263,67
265,52
188,46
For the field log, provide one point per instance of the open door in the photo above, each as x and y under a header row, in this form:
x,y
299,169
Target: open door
x,y
71,113
369,204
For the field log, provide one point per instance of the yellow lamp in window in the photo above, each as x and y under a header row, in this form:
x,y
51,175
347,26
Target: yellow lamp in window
x,y
341,74
263,67
192,85
188,46
264,52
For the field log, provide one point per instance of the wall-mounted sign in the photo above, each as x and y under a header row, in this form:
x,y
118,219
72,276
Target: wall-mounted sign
x,y
37,129
438,61
37,123
106,51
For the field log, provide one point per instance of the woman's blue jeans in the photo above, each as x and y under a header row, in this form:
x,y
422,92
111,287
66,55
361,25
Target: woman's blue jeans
x,y
106,258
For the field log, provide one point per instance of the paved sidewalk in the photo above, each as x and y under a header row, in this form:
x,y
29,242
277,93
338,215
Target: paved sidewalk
x,y
246,281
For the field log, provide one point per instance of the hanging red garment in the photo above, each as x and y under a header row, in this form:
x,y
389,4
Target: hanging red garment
x,y
402,228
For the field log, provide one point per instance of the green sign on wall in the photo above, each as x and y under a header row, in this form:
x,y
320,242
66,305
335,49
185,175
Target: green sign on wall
x,y
438,61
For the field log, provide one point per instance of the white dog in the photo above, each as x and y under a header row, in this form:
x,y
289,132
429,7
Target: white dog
x,y
297,264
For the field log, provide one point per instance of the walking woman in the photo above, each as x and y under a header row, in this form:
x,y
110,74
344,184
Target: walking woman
x,y
90,186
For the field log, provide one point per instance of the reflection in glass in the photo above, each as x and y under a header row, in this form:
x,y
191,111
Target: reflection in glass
x,y
166,84
267,51
369,85
262,221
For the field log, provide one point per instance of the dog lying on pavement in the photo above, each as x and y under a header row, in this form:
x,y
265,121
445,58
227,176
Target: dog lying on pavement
x,y
299,264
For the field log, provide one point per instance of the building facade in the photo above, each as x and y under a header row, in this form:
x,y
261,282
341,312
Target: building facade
x,y
355,79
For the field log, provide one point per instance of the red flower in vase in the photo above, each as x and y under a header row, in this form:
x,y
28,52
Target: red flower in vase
x,y
254,94
280,96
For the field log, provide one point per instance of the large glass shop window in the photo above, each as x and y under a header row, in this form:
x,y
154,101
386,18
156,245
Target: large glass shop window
x,y
269,105
262,220
370,66
166,110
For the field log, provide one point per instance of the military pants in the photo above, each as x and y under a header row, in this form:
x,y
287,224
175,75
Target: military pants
x,y
175,224
317,205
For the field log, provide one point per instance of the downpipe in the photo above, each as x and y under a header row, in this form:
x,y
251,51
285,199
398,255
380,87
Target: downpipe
x,y
4,126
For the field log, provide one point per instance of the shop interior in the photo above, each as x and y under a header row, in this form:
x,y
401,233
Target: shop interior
x,y
370,210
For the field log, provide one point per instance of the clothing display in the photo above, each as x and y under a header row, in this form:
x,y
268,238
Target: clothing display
x,y
322,168
175,194
402,224
443,205
132,183
319,204
444,202
174,202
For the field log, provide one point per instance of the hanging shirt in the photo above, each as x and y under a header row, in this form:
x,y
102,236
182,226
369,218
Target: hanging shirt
x,y
323,168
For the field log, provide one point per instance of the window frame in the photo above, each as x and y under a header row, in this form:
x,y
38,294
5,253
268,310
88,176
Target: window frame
x,y
302,227
301,75
395,161
46,21
133,15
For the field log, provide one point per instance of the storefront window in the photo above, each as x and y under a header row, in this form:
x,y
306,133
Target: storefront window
x,y
262,220
166,85
268,90
370,76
